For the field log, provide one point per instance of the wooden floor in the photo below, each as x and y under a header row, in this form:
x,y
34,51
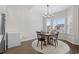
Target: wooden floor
x,y
74,49
26,48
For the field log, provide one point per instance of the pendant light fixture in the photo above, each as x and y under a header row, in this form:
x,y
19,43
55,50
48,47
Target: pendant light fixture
x,y
48,13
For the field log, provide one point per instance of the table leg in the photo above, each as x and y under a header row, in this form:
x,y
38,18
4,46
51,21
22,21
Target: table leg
x,y
48,40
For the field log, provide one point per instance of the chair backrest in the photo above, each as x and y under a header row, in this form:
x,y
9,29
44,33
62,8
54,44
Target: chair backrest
x,y
56,35
53,32
40,35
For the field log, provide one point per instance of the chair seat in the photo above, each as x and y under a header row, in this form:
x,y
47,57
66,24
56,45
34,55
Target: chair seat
x,y
41,39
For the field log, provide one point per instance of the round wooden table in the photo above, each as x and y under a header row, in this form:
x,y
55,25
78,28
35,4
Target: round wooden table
x,y
47,35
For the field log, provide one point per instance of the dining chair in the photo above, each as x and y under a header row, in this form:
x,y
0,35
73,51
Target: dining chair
x,y
41,38
55,39
51,37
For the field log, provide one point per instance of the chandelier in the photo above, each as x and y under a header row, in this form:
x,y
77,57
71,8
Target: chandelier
x,y
48,13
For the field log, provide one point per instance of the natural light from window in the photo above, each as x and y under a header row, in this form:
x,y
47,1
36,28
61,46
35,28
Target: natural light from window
x,y
56,24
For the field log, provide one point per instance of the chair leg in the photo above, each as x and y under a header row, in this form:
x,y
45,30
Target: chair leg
x,y
37,43
51,41
41,44
56,43
45,43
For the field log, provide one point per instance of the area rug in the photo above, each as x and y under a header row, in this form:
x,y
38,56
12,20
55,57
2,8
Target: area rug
x,y
62,48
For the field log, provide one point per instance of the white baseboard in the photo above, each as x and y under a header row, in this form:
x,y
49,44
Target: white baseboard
x,y
27,39
14,45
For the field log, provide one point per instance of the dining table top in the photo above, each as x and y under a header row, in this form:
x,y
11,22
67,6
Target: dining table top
x,y
47,34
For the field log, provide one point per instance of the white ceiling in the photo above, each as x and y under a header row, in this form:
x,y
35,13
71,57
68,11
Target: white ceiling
x,y
42,8
57,8
52,8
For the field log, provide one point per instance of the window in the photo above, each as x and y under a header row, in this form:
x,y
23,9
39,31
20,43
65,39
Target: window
x,y
48,22
58,24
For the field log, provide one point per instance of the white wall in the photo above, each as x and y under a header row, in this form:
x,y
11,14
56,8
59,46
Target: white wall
x,y
24,20
76,24
0,23
73,15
